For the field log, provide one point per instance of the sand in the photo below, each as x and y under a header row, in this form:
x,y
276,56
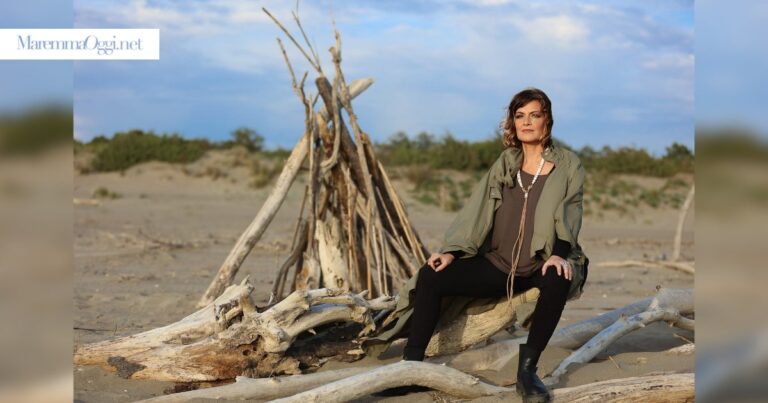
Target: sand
x,y
144,258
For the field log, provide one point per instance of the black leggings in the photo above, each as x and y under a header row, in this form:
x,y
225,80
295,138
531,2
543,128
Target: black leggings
x,y
478,277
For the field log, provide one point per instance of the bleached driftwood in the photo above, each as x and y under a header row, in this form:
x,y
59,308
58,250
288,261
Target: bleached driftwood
x,y
230,337
661,309
674,262
666,388
271,205
686,267
439,377
685,349
681,220
333,264
376,238
495,356
467,330
246,388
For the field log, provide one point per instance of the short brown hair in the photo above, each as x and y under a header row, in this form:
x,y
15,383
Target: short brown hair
x,y
521,99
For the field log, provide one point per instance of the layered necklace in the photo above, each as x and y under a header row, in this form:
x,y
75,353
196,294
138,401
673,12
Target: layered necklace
x,y
518,246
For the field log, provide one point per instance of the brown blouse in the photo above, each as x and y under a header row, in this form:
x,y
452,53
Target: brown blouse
x,y
506,225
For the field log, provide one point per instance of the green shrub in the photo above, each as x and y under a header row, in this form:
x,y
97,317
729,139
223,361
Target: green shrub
x,y
103,193
126,149
262,173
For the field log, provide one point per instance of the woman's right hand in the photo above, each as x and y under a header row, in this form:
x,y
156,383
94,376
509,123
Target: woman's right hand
x,y
439,261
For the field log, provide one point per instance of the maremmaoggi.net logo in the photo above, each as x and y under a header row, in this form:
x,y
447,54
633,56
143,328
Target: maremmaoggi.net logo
x,y
80,44
91,42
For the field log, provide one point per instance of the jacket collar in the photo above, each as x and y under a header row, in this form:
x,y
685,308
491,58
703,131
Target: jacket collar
x,y
551,154
514,157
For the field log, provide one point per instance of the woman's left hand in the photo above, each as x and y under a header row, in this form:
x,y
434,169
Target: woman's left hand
x,y
561,265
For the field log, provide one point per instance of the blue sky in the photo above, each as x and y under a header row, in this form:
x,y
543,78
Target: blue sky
x,y
618,73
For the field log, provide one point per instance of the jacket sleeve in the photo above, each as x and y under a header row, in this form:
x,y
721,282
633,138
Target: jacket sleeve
x,y
473,221
570,211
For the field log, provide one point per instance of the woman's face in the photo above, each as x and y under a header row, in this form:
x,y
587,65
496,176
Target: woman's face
x,y
530,122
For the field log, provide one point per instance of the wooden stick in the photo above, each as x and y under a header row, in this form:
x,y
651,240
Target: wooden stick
x,y
264,217
402,373
685,267
246,388
680,222
650,389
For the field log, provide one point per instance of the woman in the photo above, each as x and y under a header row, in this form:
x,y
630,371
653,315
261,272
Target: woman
x,y
518,230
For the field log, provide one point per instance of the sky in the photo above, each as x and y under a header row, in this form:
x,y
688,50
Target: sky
x,y
618,73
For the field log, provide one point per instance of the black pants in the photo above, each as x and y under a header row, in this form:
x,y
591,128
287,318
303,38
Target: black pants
x,y
478,277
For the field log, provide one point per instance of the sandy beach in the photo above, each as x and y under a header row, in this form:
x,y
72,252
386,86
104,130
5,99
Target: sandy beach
x,y
144,256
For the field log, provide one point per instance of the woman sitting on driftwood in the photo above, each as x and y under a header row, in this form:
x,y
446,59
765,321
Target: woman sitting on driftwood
x,y
518,230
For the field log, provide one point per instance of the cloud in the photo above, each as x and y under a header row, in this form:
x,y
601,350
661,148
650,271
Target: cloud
x,y
559,30
438,65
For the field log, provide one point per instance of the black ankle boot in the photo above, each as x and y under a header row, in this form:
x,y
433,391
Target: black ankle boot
x,y
529,386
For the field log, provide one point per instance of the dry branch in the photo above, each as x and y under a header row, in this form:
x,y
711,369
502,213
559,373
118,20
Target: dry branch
x,y
264,217
667,388
686,267
681,220
660,309
402,373
230,337
246,388
497,355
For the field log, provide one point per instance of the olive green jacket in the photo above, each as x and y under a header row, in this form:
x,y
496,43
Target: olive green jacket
x,y
558,215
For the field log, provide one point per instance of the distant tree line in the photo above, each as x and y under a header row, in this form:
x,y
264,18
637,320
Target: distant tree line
x,y
125,149
449,153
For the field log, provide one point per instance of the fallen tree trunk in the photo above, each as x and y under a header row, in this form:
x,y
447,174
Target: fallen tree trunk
x,y
467,330
667,388
230,337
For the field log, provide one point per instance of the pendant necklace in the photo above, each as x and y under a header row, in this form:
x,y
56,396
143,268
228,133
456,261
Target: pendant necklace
x,y
518,246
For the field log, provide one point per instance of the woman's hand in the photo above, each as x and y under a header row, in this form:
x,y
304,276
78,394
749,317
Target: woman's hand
x,y
439,261
561,265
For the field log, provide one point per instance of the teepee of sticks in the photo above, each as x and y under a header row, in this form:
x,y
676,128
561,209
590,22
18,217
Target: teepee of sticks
x,y
355,234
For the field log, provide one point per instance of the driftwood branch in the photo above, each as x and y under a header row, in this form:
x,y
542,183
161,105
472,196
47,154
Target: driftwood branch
x,y
439,377
246,388
660,309
495,356
230,337
686,267
681,220
268,210
665,388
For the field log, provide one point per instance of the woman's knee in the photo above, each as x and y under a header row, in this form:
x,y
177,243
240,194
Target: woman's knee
x,y
426,276
552,279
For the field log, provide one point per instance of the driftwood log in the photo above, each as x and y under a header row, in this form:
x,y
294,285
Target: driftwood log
x,y
350,383
666,388
664,307
230,337
495,356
